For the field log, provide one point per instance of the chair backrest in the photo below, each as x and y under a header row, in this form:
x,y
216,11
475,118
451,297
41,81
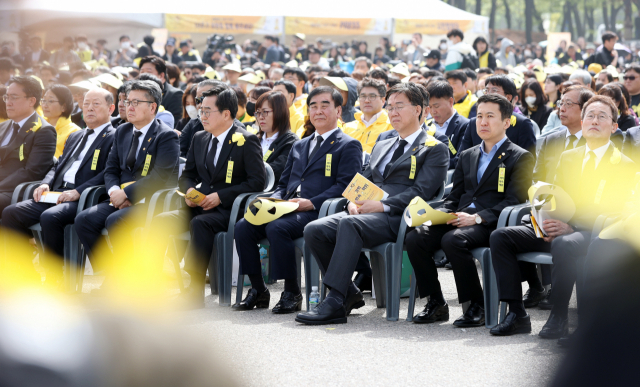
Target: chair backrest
x,y
181,164
366,158
271,178
55,161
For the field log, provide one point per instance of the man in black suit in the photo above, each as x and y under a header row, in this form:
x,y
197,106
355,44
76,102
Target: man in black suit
x,y
35,54
599,180
414,164
143,160
81,166
224,161
521,133
445,118
319,167
172,96
489,177
27,141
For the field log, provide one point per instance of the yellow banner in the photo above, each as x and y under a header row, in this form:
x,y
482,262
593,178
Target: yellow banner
x,y
337,26
224,24
431,27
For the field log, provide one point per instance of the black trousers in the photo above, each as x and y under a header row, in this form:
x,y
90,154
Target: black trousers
x,y
52,218
5,200
424,241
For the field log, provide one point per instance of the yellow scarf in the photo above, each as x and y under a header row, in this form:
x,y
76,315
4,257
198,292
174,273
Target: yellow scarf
x,y
464,108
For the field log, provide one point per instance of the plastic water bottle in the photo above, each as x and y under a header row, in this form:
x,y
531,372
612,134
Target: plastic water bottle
x,y
314,298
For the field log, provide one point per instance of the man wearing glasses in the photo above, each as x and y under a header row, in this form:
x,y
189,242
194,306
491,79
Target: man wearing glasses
x,y
371,120
632,83
27,141
599,180
143,160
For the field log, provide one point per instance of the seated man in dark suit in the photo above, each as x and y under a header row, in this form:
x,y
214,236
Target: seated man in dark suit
x,y
488,178
319,167
81,166
232,166
27,141
143,160
171,96
414,164
445,118
599,179
520,133
631,147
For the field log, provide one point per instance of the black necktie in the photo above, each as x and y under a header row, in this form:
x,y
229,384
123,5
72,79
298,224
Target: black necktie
x,y
60,178
133,151
572,140
319,140
396,155
210,160
590,166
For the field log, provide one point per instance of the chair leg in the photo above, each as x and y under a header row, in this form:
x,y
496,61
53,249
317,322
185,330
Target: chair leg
x,y
311,273
239,287
491,302
394,270
379,281
412,296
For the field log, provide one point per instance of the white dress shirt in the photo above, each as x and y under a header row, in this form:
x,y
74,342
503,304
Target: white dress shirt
x,y
7,138
70,175
221,138
443,129
265,143
599,152
144,131
324,136
575,142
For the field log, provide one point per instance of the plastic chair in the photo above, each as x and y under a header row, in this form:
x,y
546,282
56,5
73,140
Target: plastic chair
x,y
489,284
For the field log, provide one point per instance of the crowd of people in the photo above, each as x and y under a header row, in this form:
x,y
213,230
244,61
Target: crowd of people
x,y
402,117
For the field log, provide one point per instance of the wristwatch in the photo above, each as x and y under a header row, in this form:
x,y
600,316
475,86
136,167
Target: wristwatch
x,y
478,219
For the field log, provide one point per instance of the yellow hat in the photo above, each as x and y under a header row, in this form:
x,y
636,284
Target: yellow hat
x,y
301,36
261,75
109,79
250,78
334,81
517,78
211,73
232,67
595,67
400,68
83,85
265,210
291,63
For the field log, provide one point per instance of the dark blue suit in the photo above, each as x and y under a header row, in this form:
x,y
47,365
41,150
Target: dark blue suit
x,y
161,143
309,175
53,218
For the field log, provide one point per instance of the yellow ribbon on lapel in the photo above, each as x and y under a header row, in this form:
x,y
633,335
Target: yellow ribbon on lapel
x,y
238,138
36,126
513,120
431,141
252,130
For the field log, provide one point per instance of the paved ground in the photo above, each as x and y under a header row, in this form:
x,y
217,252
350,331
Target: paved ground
x,y
264,349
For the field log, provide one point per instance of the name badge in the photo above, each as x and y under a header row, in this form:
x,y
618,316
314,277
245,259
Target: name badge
x,y
94,162
501,179
327,165
229,172
412,174
147,163
266,155
21,152
452,149
600,191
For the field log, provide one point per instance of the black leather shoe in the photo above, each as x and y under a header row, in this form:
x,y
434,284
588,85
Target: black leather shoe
x,y
363,282
533,297
512,325
253,300
329,311
566,341
474,317
555,328
288,303
442,262
546,303
191,298
432,312
354,301
448,266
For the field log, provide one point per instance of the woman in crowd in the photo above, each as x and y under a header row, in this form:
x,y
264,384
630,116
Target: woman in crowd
x,y
551,89
189,110
362,50
625,120
173,73
539,54
252,98
534,102
121,118
627,98
57,105
485,56
275,134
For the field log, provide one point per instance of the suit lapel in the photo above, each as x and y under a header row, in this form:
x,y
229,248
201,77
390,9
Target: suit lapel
x,y
200,154
452,126
325,147
224,152
148,140
503,151
475,158
127,137
375,161
418,143
96,143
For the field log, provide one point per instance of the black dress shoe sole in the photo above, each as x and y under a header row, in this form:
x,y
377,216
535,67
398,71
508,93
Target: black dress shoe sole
x,y
339,320
298,308
357,305
553,335
444,317
518,330
469,324
260,305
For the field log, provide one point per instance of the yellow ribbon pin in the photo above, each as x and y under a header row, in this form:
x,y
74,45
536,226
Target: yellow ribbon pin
x,y
36,126
513,120
238,138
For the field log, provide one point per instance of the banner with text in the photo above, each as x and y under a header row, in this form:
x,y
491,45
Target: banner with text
x,y
432,27
338,26
271,25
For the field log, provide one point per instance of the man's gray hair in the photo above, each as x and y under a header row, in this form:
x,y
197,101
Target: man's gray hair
x,y
150,88
582,75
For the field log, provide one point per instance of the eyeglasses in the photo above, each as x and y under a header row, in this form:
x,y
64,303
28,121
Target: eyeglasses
x,y
49,101
368,97
567,104
263,113
629,78
397,108
600,117
492,90
206,113
12,97
199,100
135,103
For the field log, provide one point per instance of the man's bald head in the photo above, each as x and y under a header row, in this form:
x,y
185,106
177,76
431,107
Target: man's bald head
x,y
104,93
97,107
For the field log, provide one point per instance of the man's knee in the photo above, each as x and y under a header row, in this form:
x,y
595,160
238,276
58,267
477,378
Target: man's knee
x,y
453,239
8,214
499,238
413,239
81,220
565,247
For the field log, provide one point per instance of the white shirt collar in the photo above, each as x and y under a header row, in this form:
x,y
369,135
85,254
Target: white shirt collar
x,y
221,137
21,123
100,128
374,118
578,135
412,137
599,152
270,139
145,128
324,136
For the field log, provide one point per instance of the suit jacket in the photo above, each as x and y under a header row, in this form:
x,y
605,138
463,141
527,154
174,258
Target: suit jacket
x,y
172,101
549,155
161,143
280,149
432,163
617,181
455,132
248,173
310,175
393,134
38,149
190,129
520,134
489,203
631,147
85,177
